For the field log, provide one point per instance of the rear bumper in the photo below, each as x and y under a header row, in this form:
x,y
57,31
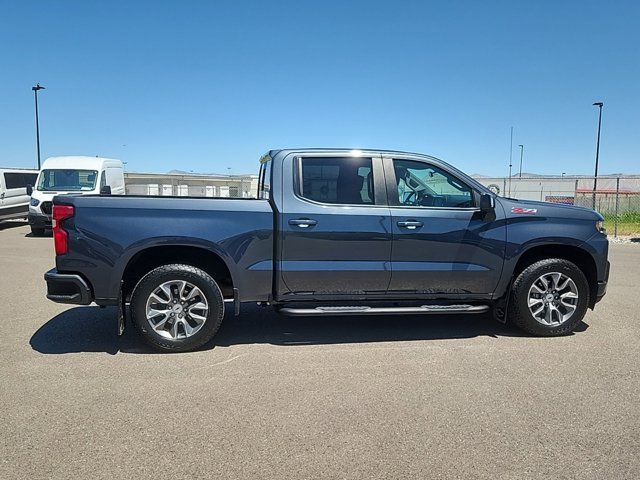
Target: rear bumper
x,y
67,288
39,220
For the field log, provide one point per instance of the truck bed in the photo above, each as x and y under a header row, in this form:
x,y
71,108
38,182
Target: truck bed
x,y
106,232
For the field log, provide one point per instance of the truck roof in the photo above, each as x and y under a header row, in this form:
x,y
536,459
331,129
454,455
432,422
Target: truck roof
x,y
274,152
19,169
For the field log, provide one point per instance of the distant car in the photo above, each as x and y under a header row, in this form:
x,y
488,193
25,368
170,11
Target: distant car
x,y
77,175
332,232
14,199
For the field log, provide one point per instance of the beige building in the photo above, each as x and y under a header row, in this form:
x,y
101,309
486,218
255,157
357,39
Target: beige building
x,y
191,185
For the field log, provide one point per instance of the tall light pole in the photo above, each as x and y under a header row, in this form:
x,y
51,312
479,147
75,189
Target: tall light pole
x,y
595,177
521,155
510,160
35,93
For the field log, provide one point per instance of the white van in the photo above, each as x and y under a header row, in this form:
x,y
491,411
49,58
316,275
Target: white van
x,y
77,175
14,199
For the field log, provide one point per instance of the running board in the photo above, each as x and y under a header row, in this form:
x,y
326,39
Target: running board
x,y
364,310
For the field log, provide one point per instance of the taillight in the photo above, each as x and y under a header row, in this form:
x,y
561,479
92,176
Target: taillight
x,y
60,213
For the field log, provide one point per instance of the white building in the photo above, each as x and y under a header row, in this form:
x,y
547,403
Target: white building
x,y
191,185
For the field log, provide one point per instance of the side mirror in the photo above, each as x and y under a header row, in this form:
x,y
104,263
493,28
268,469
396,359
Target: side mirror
x,y
105,190
487,203
29,190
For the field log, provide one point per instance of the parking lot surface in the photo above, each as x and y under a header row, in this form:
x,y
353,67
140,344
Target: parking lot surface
x,y
276,397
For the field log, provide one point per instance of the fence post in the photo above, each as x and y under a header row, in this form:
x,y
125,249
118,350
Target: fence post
x,y
615,221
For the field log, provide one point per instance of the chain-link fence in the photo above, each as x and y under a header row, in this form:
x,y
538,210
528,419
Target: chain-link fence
x,y
615,197
229,186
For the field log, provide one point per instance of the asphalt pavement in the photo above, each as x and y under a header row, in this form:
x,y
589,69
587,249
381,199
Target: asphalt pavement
x,y
308,398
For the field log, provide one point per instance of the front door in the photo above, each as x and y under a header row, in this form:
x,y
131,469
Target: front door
x,y
335,227
442,244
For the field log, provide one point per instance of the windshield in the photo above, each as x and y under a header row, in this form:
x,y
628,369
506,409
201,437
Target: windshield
x,y
68,180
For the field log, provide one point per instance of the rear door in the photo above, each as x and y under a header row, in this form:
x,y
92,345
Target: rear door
x,y
442,244
335,226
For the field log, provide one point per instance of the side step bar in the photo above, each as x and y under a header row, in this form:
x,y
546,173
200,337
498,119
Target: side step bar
x,y
364,310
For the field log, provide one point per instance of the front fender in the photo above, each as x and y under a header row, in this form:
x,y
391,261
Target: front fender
x,y
526,232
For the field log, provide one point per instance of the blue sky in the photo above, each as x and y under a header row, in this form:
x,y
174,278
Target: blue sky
x,y
211,85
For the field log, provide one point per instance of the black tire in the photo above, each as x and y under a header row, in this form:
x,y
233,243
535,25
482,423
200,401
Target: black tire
x,y
151,281
519,312
37,232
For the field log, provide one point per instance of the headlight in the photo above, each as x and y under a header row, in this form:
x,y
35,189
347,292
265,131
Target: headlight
x,y
600,226
34,202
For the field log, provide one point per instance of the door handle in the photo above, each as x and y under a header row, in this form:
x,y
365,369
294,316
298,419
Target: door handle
x,y
410,224
302,222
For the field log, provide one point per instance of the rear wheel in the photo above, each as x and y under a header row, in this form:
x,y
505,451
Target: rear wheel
x,y
549,298
37,232
177,308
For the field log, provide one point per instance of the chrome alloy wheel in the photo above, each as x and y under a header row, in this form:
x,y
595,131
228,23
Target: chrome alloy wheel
x,y
553,299
177,309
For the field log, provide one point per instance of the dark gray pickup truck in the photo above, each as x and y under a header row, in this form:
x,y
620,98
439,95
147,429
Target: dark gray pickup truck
x,y
332,232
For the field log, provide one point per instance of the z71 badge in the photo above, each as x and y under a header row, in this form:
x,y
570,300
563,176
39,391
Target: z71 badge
x,y
524,211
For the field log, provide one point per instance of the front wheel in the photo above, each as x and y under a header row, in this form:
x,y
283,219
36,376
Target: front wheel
x,y
549,298
177,308
37,232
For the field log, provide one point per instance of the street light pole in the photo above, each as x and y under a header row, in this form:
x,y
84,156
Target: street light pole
x,y
521,155
595,177
35,93
510,160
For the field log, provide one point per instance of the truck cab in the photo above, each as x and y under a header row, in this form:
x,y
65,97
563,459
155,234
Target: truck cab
x,y
389,225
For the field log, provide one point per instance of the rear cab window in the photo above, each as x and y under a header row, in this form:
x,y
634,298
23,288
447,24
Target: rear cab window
x,y
264,177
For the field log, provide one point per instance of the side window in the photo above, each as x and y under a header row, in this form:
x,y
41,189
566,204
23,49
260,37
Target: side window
x,y
338,180
424,185
15,180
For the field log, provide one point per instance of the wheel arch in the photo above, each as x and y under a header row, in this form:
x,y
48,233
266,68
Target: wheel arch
x,y
575,254
145,260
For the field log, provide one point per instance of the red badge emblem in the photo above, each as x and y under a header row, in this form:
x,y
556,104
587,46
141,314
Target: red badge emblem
x,y
524,211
